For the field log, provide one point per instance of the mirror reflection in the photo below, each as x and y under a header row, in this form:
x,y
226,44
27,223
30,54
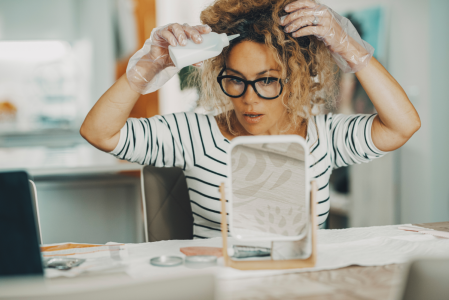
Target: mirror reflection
x,y
269,198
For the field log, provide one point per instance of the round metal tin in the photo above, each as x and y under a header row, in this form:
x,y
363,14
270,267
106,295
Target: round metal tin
x,y
166,261
201,261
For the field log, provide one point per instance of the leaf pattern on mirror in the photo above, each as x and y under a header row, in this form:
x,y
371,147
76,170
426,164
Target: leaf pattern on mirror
x,y
299,229
243,161
260,221
297,219
261,213
245,217
258,169
241,203
276,159
285,176
250,191
282,223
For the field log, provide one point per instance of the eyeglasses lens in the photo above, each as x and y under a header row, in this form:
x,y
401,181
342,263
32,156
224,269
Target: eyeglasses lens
x,y
268,88
233,87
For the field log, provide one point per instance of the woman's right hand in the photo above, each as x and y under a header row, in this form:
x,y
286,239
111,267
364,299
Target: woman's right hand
x,y
145,68
174,35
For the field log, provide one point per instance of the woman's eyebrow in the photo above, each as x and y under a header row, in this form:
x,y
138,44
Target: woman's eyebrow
x,y
235,71
260,73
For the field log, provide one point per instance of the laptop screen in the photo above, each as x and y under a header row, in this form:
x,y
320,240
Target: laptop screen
x,y
19,249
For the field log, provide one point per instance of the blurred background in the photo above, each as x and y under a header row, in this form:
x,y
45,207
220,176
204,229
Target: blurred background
x,y
57,57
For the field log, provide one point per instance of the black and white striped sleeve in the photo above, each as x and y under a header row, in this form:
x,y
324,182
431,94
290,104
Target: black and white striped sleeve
x,y
153,141
350,139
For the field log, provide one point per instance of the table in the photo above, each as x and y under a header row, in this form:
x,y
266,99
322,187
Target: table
x,y
349,283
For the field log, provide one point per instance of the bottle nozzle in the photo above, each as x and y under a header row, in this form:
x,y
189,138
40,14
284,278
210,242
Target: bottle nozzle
x,y
231,37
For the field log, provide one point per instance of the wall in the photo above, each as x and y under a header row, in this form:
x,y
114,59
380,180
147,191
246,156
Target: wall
x,y
86,21
439,107
95,24
44,19
171,98
417,58
410,65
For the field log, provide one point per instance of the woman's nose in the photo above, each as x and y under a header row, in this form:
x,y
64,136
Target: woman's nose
x,y
250,96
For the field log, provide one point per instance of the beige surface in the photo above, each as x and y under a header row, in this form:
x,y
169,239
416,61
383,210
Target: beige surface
x,y
109,286
349,283
441,226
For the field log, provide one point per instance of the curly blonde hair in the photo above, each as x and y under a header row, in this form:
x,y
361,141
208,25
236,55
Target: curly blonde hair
x,y
305,61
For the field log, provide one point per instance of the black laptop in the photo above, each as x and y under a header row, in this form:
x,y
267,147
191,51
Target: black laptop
x,y
19,241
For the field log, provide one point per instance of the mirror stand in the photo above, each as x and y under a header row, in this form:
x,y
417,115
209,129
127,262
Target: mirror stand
x,y
269,264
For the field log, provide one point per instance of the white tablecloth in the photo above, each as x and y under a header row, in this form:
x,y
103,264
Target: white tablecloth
x,y
369,246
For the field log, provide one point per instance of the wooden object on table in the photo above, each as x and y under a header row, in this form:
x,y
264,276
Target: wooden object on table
x,y
269,264
192,251
440,226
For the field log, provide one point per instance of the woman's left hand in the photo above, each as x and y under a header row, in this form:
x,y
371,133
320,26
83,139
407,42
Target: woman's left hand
x,y
306,17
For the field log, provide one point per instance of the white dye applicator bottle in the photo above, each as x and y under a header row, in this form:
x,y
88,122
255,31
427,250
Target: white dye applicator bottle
x,y
212,45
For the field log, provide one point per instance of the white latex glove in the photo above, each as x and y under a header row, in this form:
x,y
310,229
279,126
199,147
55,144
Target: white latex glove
x,y
349,51
151,67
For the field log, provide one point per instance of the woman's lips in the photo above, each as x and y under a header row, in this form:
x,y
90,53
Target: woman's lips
x,y
253,118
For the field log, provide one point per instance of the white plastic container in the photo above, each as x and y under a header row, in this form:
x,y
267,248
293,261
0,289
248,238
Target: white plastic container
x,y
212,45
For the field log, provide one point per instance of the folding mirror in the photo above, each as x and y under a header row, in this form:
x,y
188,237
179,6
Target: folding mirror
x,y
270,204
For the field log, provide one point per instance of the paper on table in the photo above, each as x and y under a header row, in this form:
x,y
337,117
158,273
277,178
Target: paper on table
x,y
111,249
98,257
410,227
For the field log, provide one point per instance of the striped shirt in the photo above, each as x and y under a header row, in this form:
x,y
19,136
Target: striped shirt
x,y
194,143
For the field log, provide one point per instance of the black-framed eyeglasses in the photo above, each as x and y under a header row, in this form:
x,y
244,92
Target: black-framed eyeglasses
x,y
267,87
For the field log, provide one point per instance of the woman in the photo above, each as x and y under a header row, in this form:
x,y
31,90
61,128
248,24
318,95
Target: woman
x,y
269,81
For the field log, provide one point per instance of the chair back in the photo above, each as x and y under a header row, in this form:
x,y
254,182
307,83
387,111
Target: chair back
x,y
166,204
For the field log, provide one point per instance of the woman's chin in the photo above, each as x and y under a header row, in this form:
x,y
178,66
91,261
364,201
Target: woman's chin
x,y
256,129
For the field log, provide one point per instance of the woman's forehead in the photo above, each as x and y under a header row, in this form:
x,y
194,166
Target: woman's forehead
x,y
251,58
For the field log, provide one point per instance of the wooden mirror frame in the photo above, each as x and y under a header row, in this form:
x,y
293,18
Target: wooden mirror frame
x,y
269,264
